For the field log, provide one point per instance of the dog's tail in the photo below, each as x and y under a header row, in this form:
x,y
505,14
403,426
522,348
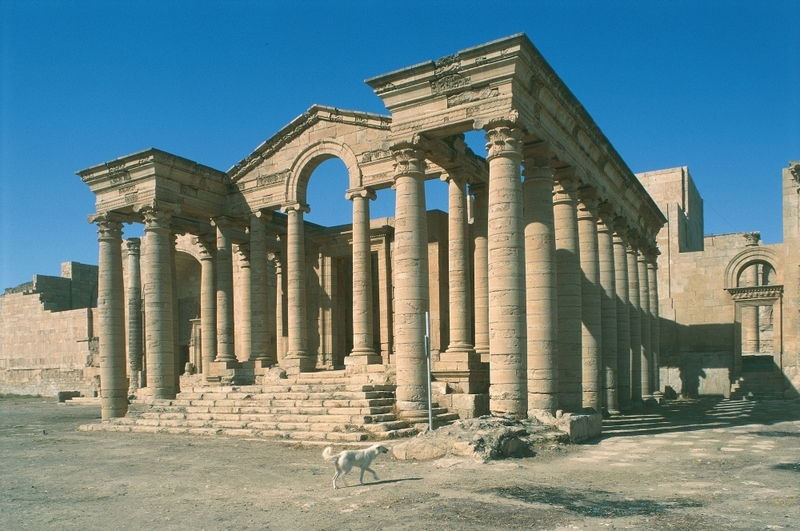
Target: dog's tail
x,y
327,453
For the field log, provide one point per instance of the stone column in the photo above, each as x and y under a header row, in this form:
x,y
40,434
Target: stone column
x,y
243,320
623,314
271,354
480,254
158,307
635,309
133,305
541,285
258,286
175,312
280,303
111,318
591,328
226,350
208,305
363,331
460,348
608,305
508,373
644,302
570,369
410,283
750,314
655,324
297,357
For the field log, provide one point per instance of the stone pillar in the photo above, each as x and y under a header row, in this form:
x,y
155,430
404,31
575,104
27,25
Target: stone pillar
x,y
363,332
591,328
271,354
280,304
608,308
480,254
570,369
111,318
750,314
460,348
655,324
635,309
541,285
176,339
258,286
226,351
243,320
133,305
508,374
208,305
623,314
297,357
644,302
410,283
158,307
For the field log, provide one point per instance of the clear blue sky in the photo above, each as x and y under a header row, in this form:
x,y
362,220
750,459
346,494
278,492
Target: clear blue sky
x,y
711,85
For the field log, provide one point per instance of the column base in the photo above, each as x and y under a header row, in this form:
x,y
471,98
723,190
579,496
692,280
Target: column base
x,y
296,362
363,357
231,373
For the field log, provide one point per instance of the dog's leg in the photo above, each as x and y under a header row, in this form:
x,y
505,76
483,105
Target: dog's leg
x,y
336,475
374,475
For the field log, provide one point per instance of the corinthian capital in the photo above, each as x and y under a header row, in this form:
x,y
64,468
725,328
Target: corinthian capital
x,y
409,159
504,141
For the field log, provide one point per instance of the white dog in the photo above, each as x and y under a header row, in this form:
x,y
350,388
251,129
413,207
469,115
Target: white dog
x,y
346,460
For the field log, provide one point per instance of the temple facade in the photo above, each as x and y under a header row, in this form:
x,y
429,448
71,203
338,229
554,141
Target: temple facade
x,y
543,290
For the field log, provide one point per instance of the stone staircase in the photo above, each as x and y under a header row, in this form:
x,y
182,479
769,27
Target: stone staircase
x,y
758,386
325,407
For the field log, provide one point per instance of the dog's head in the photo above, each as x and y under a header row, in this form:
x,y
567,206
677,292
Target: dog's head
x,y
380,448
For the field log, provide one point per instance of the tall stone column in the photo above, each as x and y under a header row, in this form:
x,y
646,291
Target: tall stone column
x,y
133,306
271,354
480,259
410,282
258,285
635,309
750,314
608,307
176,339
541,284
655,324
570,368
363,332
297,357
280,303
623,314
243,317
460,348
508,364
208,304
644,302
226,350
591,328
111,322
158,303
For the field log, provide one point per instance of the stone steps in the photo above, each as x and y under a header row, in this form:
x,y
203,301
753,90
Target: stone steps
x,y
312,407
758,386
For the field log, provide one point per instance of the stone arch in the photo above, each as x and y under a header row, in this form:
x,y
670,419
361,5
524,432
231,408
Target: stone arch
x,y
749,257
311,157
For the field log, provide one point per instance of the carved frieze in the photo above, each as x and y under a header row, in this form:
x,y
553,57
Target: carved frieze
x,y
447,65
449,83
472,95
272,178
756,292
375,155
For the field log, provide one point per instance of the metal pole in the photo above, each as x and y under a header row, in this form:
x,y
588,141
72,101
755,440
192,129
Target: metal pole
x,y
428,356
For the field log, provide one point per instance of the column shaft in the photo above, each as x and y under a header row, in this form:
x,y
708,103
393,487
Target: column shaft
x,y
258,286
226,350
133,306
363,326
644,301
208,306
508,374
541,286
623,315
480,259
410,283
591,328
459,270
635,309
297,341
655,324
243,314
608,304
158,303
570,369
111,325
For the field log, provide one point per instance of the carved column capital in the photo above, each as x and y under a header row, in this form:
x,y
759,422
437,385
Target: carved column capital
x,y
295,207
133,246
504,141
607,218
588,202
794,169
366,193
566,189
108,227
409,160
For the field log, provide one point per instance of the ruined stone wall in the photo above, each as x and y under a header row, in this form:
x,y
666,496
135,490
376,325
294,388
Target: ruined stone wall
x,y
42,351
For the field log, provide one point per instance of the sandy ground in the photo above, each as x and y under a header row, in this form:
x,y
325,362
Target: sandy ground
x,y
691,465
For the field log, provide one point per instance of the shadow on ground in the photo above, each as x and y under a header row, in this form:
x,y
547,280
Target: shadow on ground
x,y
704,413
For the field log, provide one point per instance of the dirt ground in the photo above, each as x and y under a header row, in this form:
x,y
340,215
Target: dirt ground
x,y
692,465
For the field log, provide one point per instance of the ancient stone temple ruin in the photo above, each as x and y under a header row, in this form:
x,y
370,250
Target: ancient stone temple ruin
x,y
541,283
